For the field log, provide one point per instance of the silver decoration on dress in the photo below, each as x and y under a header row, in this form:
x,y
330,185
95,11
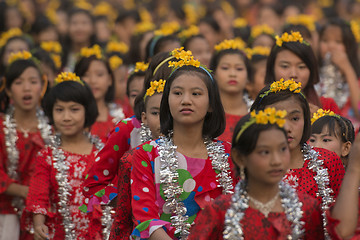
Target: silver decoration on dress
x,y
145,133
240,202
322,181
332,83
116,112
248,101
264,208
61,176
107,221
169,178
13,153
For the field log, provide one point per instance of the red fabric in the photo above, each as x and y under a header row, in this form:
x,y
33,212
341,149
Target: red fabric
x,y
124,103
103,129
123,225
43,195
329,104
28,148
302,179
231,121
210,222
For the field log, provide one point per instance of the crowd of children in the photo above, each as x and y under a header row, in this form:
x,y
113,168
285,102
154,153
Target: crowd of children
x,y
176,119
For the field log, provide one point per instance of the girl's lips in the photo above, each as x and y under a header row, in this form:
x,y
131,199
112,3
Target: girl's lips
x,y
276,172
186,111
232,82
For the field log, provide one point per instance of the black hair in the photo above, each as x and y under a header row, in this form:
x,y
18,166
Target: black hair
x,y
261,103
157,43
187,41
306,54
304,31
214,124
134,54
125,14
337,126
45,58
72,91
82,67
348,39
243,33
209,20
41,24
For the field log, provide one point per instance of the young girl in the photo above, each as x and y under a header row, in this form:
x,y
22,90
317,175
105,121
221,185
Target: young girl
x,y
176,174
55,189
262,35
332,132
262,204
94,69
317,172
337,42
23,132
232,69
293,58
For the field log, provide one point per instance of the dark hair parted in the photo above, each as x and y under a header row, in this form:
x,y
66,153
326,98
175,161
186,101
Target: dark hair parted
x,y
306,54
216,57
214,123
261,103
72,91
157,43
337,126
82,66
348,39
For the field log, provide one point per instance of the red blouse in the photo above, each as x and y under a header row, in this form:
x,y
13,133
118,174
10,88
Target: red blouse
x,y
103,129
231,121
329,104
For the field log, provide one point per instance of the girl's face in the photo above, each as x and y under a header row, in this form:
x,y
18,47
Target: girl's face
x,y
25,91
269,161
14,46
294,124
209,33
231,74
327,141
169,46
188,100
120,75
98,78
13,18
135,88
80,28
331,40
201,50
69,118
263,40
290,66
151,117
258,82
49,34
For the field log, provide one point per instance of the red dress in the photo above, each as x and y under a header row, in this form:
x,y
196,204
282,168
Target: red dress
x,y
329,104
43,195
210,222
231,121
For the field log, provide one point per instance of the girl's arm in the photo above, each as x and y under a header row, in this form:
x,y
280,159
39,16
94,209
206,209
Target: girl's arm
x,y
159,234
347,202
41,231
17,190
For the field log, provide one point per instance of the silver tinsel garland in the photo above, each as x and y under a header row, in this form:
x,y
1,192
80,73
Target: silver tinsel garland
x,y
13,153
240,202
322,181
116,112
169,178
145,133
64,194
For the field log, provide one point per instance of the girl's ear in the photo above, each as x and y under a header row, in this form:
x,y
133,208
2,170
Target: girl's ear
x,y
345,149
237,158
143,118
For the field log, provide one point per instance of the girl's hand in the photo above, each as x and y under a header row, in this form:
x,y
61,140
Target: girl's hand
x,y
41,232
313,108
341,60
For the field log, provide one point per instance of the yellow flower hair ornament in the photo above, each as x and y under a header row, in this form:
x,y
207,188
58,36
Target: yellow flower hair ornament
x,y
283,85
19,56
321,113
143,27
67,76
258,50
119,47
240,23
51,47
189,32
155,87
268,116
115,62
141,67
168,28
302,19
13,32
355,28
236,43
92,51
261,29
293,37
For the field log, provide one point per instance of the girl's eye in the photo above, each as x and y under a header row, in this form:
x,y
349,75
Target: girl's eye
x,y
326,140
311,140
177,93
295,119
302,66
240,69
75,109
224,68
196,94
264,152
284,66
155,113
58,109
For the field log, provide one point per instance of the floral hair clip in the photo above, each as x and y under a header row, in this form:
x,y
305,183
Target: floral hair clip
x,y
189,32
67,76
355,28
155,86
92,51
143,27
167,28
115,62
105,9
258,50
141,67
321,113
268,116
261,29
51,47
240,23
293,37
13,32
191,14
119,47
18,56
282,85
236,43
302,19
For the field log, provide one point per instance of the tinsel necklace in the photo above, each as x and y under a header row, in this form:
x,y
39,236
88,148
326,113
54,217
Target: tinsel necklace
x,y
13,153
61,176
169,176
116,112
322,181
240,202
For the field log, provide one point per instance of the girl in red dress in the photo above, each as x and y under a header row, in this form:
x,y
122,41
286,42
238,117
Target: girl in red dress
x,y
232,70
55,192
95,70
24,131
174,176
317,171
296,60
